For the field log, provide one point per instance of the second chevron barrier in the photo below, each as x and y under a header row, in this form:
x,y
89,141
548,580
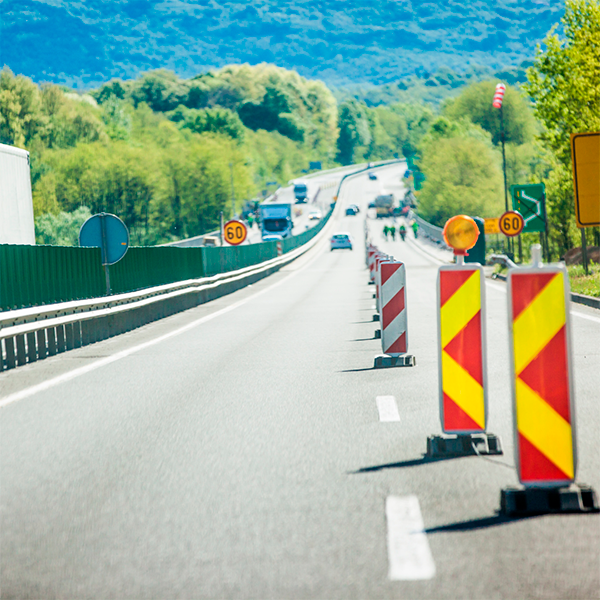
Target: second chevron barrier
x,y
462,352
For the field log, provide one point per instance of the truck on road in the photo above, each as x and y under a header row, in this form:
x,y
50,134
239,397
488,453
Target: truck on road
x,y
384,205
300,192
276,219
16,204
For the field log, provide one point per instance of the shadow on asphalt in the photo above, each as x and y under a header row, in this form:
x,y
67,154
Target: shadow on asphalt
x,y
364,339
362,322
482,523
406,463
358,370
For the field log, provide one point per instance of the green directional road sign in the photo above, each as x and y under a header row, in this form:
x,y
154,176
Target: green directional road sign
x,y
530,201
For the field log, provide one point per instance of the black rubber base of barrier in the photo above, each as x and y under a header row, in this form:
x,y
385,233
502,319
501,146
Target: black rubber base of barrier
x,y
371,283
463,444
375,317
535,501
384,361
377,335
374,295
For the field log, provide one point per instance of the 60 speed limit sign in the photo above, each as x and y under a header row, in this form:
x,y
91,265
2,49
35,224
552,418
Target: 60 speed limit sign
x,y
511,223
235,232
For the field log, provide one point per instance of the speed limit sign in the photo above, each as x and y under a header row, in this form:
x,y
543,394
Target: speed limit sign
x,y
235,232
511,223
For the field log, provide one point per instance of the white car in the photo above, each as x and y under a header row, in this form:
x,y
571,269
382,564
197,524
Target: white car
x,y
341,241
272,237
315,215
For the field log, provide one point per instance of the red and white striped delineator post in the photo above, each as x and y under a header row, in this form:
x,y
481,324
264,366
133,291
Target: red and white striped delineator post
x,y
371,263
378,260
394,322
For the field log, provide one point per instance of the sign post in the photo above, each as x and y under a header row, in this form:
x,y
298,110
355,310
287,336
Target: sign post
x,y
110,234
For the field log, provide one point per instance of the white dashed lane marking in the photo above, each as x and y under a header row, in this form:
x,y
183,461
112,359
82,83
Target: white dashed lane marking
x,y
409,554
388,409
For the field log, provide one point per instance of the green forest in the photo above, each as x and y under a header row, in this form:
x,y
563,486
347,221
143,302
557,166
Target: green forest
x,y
161,151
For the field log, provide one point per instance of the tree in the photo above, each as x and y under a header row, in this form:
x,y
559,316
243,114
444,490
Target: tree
x,y
461,176
20,109
61,229
354,132
475,104
564,80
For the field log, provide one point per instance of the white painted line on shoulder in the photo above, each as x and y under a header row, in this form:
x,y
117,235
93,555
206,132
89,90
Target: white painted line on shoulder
x,y
50,383
584,316
409,554
388,409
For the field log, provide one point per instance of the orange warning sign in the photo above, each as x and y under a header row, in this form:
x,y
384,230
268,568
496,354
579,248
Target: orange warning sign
x,y
541,377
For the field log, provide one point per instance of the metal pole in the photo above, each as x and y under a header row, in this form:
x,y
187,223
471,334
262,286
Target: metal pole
x,y
105,252
232,192
504,167
221,229
584,255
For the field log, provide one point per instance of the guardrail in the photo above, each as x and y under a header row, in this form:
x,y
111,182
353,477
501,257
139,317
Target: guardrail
x,y
33,333
435,234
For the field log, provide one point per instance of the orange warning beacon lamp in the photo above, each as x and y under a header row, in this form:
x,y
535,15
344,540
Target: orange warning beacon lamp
x,y
461,233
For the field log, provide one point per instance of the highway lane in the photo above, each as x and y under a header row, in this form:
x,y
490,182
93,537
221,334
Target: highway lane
x,y
244,457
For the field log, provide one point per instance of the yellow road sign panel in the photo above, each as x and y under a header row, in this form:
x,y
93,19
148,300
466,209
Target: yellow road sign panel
x,y
491,226
235,232
585,155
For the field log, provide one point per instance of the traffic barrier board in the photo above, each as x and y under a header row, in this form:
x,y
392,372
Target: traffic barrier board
x,y
235,232
394,339
585,155
541,376
461,346
511,223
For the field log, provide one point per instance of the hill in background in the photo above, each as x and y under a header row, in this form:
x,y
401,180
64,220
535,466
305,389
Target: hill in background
x,y
82,44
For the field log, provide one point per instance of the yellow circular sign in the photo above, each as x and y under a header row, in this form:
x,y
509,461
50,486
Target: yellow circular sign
x,y
511,223
235,232
461,233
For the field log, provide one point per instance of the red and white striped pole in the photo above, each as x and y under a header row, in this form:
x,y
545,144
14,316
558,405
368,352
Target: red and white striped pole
x,y
371,262
394,322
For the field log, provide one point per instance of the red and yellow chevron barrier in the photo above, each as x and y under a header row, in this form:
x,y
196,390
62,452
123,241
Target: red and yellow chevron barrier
x,y
540,362
463,395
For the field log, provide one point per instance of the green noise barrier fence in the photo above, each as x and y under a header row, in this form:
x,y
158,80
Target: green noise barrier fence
x,y
37,275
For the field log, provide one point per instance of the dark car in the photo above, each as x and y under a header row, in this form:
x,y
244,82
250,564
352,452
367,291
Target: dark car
x,y
372,176
351,211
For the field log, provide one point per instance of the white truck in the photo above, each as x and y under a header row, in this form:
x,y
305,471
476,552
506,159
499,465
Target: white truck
x,y
276,219
16,204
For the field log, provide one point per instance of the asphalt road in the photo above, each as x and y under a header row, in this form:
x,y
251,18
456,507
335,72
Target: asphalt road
x,y
239,453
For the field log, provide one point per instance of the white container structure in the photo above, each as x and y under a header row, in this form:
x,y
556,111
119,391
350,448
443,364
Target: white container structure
x,y
16,204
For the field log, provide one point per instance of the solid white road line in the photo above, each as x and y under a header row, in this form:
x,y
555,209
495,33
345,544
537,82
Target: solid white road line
x,y
409,554
388,409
